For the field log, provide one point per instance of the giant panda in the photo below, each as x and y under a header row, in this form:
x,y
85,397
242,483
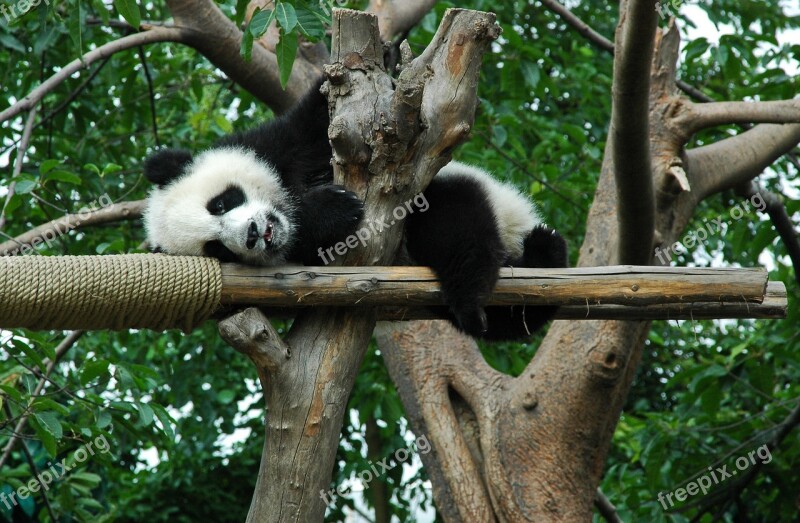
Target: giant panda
x,y
266,197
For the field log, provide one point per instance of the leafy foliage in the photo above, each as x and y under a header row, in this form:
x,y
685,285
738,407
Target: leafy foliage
x,y
182,412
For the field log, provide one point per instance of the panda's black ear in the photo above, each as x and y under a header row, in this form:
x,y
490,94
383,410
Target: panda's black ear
x,y
164,166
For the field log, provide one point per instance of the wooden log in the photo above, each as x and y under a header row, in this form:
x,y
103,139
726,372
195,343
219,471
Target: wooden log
x,y
417,286
774,306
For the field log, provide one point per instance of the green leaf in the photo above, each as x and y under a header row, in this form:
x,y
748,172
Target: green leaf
x,y
12,393
50,423
260,22
30,352
286,15
24,186
74,25
64,176
129,10
286,50
46,404
246,49
165,419
12,43
87,478
103,419
92,370
309,24
241,10
145,414
531,74
48,165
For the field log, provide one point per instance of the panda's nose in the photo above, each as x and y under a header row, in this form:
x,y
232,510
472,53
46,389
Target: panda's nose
x,y
252,235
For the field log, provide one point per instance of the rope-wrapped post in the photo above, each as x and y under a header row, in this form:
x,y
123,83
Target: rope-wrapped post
x,y
142,291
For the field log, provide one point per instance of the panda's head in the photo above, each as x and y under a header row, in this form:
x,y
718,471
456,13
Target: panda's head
x,y
226,203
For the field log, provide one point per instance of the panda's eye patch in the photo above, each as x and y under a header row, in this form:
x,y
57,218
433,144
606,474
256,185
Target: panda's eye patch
x,y
228,199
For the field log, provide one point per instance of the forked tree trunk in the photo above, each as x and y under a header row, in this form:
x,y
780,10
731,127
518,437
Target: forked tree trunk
x,y
388,143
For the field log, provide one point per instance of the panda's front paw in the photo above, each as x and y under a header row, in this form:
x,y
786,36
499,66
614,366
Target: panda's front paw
x,y
330,214
471,319
343,205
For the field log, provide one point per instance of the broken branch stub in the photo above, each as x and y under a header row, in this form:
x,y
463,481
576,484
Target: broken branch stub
x,y
393,136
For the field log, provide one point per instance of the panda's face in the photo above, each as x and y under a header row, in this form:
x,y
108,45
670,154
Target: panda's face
x,y
226,203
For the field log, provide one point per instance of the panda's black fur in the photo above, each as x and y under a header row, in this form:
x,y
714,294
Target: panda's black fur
x,y
459,235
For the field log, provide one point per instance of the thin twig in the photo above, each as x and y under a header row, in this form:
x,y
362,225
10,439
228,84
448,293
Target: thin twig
x,y
152,96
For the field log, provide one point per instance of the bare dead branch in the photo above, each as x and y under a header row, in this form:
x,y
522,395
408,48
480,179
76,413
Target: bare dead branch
x,y
149,36
737,160
630,130
60,226
251,333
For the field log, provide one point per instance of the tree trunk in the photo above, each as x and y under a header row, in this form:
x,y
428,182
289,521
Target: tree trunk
x,y
384,153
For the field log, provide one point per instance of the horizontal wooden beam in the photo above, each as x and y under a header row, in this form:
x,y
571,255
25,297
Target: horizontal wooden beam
x,y
161,292
774,306
417,286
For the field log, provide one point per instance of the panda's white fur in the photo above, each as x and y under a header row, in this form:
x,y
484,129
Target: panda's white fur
x,y
516,215
177,221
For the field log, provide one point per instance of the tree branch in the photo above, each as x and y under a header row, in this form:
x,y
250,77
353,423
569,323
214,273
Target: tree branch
x,y
421,371
630,130
60,226
737,160
606,508
149,36
217,38
582,27
21,150
705,115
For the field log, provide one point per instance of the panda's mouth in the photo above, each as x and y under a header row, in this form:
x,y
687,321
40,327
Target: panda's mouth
x,y
269,232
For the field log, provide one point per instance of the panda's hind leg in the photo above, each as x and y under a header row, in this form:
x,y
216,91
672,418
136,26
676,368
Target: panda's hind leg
x,y
457,237
543,248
